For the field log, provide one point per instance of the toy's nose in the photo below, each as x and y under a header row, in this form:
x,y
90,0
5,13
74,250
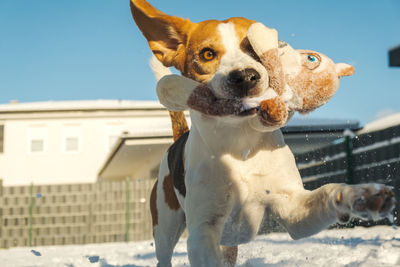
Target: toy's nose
x,y
243,80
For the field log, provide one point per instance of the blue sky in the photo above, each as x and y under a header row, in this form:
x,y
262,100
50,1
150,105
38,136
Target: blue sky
x,y
72,50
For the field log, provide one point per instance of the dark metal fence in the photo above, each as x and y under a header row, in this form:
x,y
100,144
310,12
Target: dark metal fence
x,y
371,157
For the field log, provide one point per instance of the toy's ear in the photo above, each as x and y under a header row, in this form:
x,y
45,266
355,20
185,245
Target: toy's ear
x,y
262,38
343,69
173,91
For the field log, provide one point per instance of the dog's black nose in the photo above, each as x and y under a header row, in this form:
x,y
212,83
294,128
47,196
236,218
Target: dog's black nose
x,y
243,80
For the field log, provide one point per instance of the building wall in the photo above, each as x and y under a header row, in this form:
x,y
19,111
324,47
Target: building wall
x,y
96,130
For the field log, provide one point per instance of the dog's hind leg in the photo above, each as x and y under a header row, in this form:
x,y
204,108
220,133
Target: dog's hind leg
x,y
168,218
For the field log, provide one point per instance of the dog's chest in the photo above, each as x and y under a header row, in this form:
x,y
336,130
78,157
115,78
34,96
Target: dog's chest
x,y
250,186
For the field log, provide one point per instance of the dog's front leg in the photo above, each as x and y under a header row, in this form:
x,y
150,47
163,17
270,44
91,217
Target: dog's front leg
x,y
208,201
304,212
203,248
205,223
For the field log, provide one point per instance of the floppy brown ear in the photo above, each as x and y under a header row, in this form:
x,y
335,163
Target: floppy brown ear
x,y
165,34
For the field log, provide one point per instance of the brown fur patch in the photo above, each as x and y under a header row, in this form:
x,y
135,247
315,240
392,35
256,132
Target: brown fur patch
x,y
230,255
314,88
204,35
273,111
153,205
165,34
203,100
272,63
179,124
169,194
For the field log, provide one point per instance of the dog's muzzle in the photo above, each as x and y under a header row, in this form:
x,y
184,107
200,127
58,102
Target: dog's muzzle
x,y
243,82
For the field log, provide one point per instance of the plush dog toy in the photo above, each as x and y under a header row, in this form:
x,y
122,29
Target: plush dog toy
x,y
299,80
303,79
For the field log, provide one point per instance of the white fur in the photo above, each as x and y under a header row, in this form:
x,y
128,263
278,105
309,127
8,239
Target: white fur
x,y
171,223
234,59
159,70
235,190
227,193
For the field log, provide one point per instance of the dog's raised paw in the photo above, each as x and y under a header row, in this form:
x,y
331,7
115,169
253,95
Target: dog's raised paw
x,y
367,201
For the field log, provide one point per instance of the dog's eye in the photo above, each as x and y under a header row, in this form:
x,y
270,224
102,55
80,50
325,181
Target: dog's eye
x,y
311,61
207,54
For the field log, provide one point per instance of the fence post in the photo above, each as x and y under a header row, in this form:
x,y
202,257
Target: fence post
x,y
127,208
349,135
31,204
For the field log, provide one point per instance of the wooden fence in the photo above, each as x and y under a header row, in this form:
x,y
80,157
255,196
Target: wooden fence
x,y
370,157
75,213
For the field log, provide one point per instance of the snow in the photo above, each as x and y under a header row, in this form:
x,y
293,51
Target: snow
x,y
314,162
312,178
376,246
385,122
394,140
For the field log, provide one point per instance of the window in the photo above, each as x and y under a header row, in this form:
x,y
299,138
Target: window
x,y
37,145
71,144
37,139
72,136
1,138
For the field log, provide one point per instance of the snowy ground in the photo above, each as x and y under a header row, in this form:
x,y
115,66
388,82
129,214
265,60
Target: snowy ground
x,y
377,246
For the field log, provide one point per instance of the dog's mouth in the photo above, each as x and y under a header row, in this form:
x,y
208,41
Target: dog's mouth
x,y
251,105
249,112
204,100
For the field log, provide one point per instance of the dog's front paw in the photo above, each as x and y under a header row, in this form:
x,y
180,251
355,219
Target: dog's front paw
x,y
367,201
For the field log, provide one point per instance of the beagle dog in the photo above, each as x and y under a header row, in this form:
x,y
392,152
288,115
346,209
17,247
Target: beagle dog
x,y
218,179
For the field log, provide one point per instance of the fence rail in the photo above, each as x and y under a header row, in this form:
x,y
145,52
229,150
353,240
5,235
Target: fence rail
x,y
75,213
370,157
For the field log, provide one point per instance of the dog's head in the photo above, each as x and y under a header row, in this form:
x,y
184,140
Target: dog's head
x,y
215,53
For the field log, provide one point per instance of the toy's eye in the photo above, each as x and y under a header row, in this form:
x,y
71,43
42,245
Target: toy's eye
x,y
207,54
311,58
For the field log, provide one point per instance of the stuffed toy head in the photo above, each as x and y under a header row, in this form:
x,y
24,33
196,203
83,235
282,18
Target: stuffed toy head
x,y
303,79
299,80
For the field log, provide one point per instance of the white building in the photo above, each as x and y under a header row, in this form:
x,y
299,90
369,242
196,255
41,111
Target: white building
x,y
68,142
82,141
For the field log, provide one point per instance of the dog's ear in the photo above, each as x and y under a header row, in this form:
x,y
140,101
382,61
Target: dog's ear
x,y
165,34
173,91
